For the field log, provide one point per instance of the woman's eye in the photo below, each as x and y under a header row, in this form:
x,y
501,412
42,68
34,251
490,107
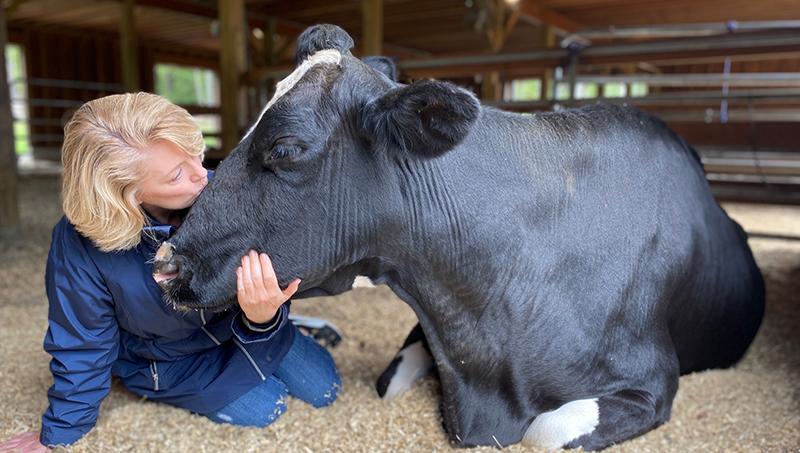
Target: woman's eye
x,y
177,176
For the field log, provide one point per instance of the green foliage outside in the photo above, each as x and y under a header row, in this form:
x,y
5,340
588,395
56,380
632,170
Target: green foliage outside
x,y
209,124
186,85
526,90
562,91
614,90
15,69
638,89
14,62
586,90
22,142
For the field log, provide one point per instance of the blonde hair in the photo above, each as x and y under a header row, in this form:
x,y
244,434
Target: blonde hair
x,y
103,143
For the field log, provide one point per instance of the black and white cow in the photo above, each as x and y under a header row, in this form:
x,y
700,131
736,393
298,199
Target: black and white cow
x,y
565,267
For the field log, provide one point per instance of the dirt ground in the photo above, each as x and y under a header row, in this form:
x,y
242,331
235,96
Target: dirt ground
x,y
752,407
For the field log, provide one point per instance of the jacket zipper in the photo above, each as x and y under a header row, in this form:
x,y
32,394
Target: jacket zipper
x,y
236,342
154,373
203,318
250,358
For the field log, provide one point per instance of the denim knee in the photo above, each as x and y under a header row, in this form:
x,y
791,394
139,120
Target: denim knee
x,y
327,398
254,418
309,372
259,407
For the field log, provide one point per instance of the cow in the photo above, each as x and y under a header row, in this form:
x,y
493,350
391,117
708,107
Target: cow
x,y
565,267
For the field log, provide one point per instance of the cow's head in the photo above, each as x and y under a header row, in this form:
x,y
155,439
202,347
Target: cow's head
x,y
314,182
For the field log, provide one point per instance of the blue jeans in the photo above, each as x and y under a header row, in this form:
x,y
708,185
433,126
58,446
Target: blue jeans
x,y
307,373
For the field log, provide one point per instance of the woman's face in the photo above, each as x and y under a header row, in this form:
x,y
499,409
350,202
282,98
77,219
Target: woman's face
x,y
171,179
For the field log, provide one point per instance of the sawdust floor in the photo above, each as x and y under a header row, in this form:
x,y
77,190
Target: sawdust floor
x,y
753,407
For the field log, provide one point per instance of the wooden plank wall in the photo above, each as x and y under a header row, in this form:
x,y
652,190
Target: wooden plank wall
x,y
77,55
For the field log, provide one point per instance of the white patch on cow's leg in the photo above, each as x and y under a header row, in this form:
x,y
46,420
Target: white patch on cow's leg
x,y
331,56
362,282
415,362
558,427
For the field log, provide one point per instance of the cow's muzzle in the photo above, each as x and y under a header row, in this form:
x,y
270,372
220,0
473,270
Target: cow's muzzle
x,y
167,265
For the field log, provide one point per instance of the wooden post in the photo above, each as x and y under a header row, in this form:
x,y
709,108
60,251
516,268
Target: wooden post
x,y
129,46
372,27
9,207
270,55
572,70
271,48
502,20
231,67
549,40
491,88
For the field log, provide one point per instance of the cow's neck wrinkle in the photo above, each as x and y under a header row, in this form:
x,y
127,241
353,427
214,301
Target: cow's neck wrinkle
x,y
431,216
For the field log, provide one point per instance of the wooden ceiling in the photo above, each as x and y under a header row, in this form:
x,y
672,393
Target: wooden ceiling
x,y
422,29
183,28
412,28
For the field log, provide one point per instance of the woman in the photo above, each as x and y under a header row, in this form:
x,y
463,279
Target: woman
x,y
132,168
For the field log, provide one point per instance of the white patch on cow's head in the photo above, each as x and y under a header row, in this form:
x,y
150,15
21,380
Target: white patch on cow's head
x,y
554,429
330,56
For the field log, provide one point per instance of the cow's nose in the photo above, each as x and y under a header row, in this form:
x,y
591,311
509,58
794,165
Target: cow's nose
x,y
165,266
165,252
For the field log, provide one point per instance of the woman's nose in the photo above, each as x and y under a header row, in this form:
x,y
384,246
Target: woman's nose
x,y
200,174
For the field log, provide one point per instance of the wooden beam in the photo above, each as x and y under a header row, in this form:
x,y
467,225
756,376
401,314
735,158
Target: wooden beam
x,y
689,56
491,87
532,11
129,52
232,66
285,27
372,27
456,65
9,207
12,6
502,20
550,40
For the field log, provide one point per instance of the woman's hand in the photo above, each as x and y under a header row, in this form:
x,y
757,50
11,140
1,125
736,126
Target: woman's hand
x,y
257,288
25,442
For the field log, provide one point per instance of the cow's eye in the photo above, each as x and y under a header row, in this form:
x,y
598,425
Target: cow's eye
x,y
282,152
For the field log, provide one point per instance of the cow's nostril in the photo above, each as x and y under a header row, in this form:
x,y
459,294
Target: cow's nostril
x,y
165,266
165,270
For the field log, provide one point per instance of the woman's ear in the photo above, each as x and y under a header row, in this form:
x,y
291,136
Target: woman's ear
x,y
136,196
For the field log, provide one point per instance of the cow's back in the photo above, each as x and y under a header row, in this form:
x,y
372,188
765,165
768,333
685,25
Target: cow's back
x,y
613,197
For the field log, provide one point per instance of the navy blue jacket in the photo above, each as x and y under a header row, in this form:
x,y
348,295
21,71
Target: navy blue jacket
x,y
107,318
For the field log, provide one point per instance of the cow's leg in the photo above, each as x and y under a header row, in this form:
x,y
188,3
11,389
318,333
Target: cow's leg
x,y
411,363
623,415
597,423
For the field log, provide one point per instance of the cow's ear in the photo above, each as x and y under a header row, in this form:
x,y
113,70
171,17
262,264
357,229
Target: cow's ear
x,y
424,119
382,64
321,37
